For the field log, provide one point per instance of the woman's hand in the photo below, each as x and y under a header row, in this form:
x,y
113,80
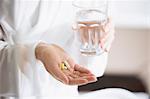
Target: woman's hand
x,y
103,34
108,35
53,57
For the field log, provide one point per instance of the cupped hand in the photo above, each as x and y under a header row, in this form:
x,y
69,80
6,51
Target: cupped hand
x,y
53,56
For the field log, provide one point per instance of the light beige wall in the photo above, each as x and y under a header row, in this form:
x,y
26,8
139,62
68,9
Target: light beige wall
x,y
129,51
148,82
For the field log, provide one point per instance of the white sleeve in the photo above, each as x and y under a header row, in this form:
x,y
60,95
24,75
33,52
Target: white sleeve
x,y
23,25
8,76
11,54
12,59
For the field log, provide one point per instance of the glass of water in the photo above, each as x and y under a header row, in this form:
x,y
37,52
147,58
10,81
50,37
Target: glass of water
x,y
91,15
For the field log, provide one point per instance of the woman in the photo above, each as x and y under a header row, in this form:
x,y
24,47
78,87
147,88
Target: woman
x,y
32,51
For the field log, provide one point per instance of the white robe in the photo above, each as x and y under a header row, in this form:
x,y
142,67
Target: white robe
x,y
25,23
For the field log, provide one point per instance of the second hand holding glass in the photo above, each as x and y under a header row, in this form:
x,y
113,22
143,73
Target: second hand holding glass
x,y
91,16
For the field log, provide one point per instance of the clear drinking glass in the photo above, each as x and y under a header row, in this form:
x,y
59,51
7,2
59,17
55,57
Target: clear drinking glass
x,y
91,15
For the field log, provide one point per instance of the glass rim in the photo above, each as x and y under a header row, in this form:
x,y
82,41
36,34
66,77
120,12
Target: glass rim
x,y
75,4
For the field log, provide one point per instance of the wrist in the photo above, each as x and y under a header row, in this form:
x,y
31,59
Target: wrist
x,y
39,50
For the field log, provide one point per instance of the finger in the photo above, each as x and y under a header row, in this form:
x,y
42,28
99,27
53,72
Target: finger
x,y
81,74
107,45
90,78
104,37
77,81
82,80
108,37
108,22
85,74
105,32
71,74
57,72
67,72
107,42
81,69
107,27
74,75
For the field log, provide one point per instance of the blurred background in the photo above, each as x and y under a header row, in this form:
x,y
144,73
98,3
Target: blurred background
x,y
129,59
130,53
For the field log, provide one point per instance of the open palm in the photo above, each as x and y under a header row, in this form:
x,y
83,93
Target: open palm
x,y
52,56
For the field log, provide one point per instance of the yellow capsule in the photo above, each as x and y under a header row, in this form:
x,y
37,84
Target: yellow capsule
x,y
62,66
66,64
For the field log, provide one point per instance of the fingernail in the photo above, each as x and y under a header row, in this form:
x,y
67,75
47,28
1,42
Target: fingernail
x,y
95,79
